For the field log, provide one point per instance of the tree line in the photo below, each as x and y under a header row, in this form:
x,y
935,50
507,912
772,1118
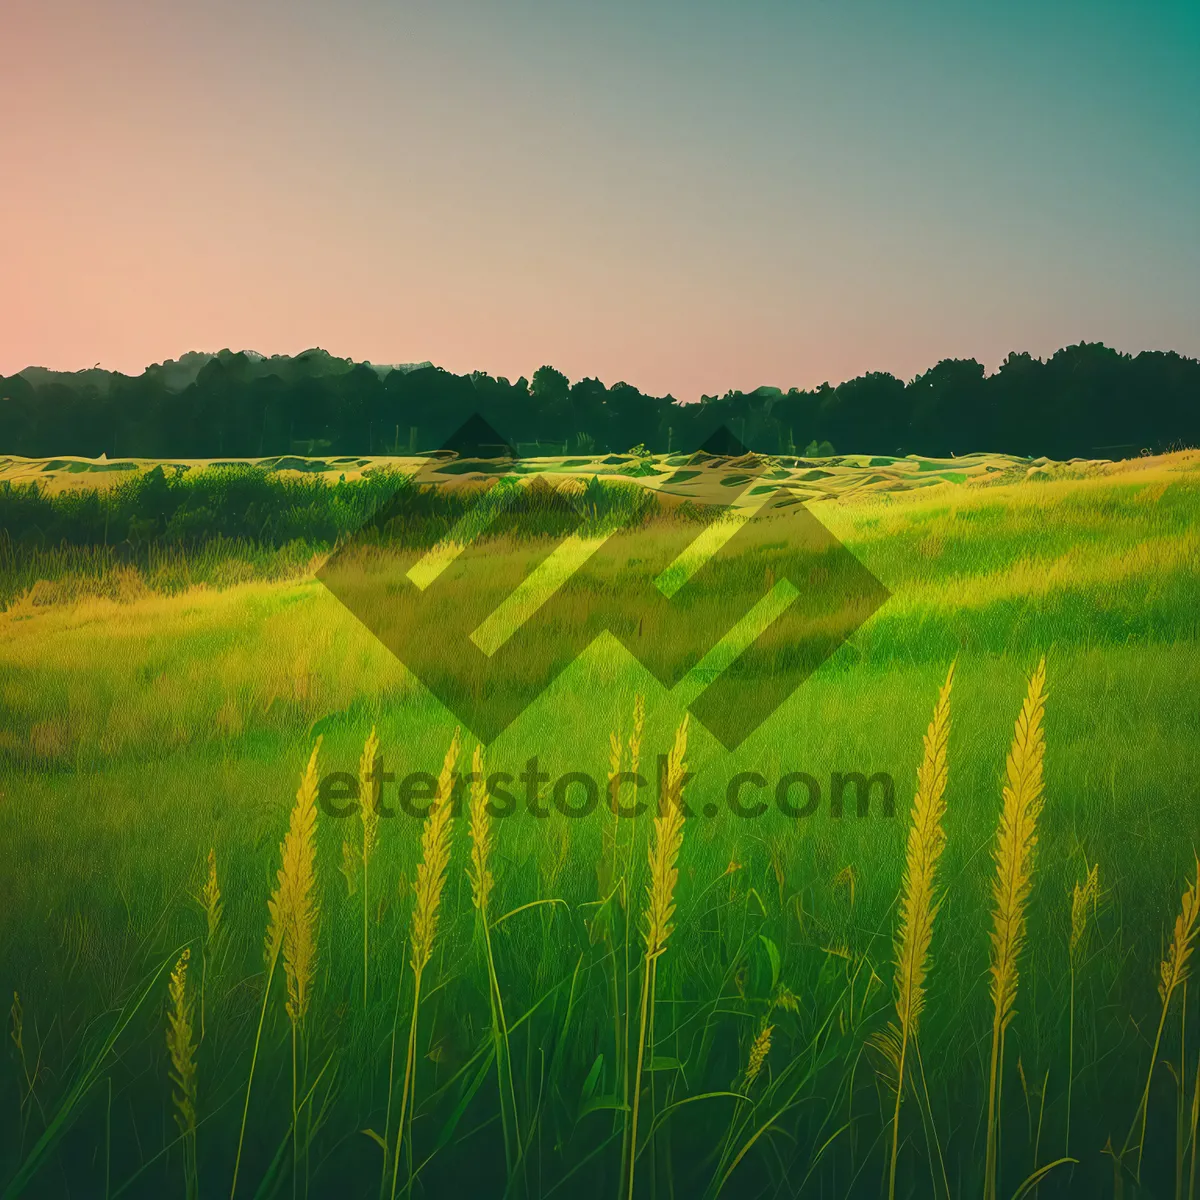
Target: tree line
x,y
1084,401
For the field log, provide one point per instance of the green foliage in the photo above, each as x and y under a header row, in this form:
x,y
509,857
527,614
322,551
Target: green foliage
x,y
1084,401
225,524
133,744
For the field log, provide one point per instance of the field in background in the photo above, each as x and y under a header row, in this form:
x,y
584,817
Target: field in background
x,y
146,725
840,475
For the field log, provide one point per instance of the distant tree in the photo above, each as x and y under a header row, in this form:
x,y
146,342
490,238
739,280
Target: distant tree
x,y
867,413
1085,400
946,406
588,407
550,394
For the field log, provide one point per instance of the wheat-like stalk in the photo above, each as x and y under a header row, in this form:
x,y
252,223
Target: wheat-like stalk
x,y
1172,974
1016,841
210,897
292,913
427,901
1084,897
483,841
659,913
369,788
282,906
435,860
297,894
1173,970
369,794
210,900
181,1048
918,898
759,1050
664,853
299,910
635,738
482,836
182,1052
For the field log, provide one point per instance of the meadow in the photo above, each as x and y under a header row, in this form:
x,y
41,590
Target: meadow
x,y
985,993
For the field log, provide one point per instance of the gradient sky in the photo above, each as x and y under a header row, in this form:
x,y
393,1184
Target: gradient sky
x,y
688,195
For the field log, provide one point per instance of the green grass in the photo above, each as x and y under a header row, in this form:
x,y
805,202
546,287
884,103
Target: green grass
x,y
141,729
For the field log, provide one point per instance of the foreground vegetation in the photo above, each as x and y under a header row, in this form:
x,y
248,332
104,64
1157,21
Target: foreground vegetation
x,y
671,1006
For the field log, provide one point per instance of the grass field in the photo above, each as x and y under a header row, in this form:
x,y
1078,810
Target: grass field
x,y
150,721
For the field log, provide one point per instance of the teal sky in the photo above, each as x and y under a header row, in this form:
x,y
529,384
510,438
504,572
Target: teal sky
x,y
688,196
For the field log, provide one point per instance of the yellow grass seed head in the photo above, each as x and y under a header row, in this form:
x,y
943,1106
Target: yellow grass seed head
x,y
210,898
1015,844
435,859
926,841
294,907
847,877
635,738
1084,898
786,999
369,795
1173,969
759,1050
181,1048
482,835
17,1015
664,851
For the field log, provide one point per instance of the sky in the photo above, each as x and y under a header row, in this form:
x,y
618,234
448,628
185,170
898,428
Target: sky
x,y
688,195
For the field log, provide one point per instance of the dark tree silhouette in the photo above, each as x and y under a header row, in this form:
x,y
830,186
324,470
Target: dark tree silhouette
x,y
1084,401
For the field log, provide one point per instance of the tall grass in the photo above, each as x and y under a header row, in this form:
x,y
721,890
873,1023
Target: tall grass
x,y
774,1065
1084,898
292,913
659,914
1016,841
918,899
762,910
370,789
298,909
427,903
182,1050
214,909
479,873
1172,975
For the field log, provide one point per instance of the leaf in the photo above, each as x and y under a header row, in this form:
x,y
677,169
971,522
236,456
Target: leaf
x,y
773,955
521,908
461,1107
1038,1176
661,1063
376,1139
886,1043
661,1116
589,1084
602,1103
600,927
273,1178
